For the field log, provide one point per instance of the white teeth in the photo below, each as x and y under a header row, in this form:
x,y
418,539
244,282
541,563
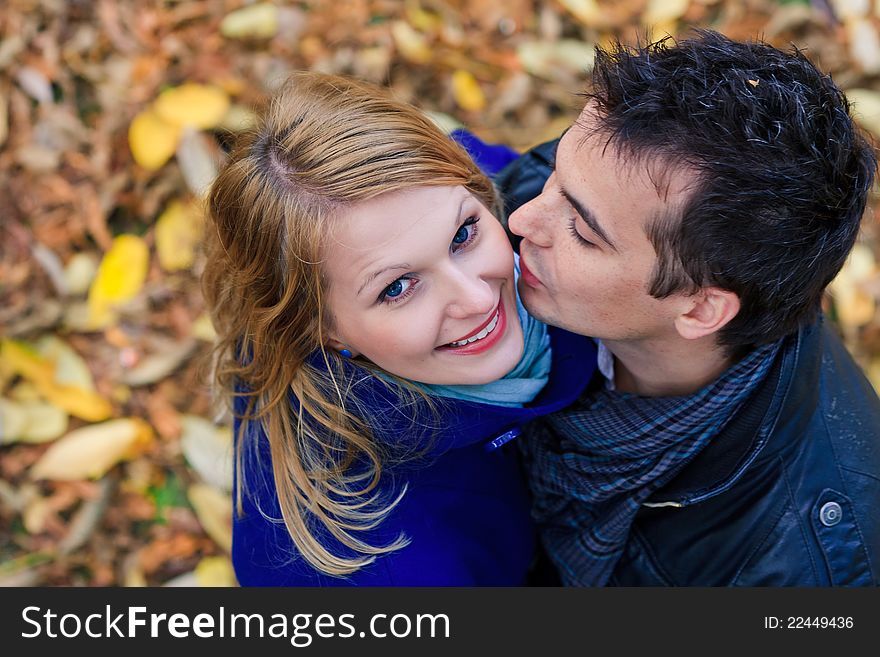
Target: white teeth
x,y
479,336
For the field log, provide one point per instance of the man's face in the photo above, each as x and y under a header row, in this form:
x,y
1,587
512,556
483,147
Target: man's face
x,y
586,258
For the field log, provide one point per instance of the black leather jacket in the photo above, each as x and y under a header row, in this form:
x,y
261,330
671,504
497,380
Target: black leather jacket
x,y
787,495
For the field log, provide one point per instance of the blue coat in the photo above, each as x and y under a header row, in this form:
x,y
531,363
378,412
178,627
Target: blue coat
x,y
466,509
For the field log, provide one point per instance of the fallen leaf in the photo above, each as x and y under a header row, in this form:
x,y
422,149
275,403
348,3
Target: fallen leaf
x,y
152,140
120,276
557,60
208,449
196,160
24,360
203,329
79,272
30,421
178,231
4,115
214,511
587,12
89,452
467,92
159,365
866,108
846,9
35,84
70,367
664,11
199,106
854,306
413,45
864,44
259,21
215,571
238,119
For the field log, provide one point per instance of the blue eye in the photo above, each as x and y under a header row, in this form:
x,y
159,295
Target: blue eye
x,y
397,291
461,236
465,234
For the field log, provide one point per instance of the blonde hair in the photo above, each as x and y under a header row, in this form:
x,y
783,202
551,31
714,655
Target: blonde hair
x,y
324,144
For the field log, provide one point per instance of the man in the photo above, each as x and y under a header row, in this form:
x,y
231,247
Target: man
x,y
690,221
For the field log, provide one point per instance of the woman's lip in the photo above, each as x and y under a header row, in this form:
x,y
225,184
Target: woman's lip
x,y
526,274
486,343
481,326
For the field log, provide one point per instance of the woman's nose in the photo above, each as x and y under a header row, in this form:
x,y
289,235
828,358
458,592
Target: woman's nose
x,y
470,295
529,222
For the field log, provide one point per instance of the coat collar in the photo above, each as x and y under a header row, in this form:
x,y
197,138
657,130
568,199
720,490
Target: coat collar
x,y
785,400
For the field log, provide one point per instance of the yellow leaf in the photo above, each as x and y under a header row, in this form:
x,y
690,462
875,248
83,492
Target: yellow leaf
x,y
854,306
874,374
864,44
587,12
70,367
208,450
26,362
259,21
120,276
198,105
79,272
30,421
13,421
152,140
238,119
467,92
84,404
411,44
89,452
215,571
214,510
178,231
846,9
203,328
556,60
196,160
664,12
866,108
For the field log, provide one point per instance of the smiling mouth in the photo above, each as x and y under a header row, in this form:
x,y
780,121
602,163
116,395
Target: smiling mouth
x,y
479,335
477,338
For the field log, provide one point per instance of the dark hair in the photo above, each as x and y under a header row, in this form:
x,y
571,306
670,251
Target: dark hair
x,y
782,172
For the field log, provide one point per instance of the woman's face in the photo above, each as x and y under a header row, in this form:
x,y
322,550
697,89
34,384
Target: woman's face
x,y
421,284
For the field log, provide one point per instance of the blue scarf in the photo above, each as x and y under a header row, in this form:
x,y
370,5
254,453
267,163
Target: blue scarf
x,y
523,382
592,466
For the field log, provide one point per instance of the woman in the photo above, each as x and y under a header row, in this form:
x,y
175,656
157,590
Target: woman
x,y
374,346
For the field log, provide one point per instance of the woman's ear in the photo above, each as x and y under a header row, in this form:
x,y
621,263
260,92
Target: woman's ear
x,y
335,345
712,310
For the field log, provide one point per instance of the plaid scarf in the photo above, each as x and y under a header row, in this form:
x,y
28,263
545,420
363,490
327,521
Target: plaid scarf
x,y
592,466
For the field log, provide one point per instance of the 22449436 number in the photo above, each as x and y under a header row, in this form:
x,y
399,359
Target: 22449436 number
x,y
808,622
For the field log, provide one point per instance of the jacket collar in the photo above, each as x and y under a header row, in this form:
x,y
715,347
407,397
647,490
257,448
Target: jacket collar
x,y
463,423
768,423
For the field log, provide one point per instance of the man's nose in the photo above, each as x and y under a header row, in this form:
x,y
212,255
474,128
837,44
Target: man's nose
x,y
529,222
469,295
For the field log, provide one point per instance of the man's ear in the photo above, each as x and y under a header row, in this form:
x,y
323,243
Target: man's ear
x,y
712,309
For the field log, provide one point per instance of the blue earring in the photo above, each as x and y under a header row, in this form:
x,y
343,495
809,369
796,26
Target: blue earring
x,y
345,353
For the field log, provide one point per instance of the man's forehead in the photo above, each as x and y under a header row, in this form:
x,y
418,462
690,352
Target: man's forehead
x,y
587,142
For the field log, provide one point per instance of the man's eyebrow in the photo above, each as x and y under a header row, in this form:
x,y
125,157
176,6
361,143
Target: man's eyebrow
x,y
588,217
376,274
